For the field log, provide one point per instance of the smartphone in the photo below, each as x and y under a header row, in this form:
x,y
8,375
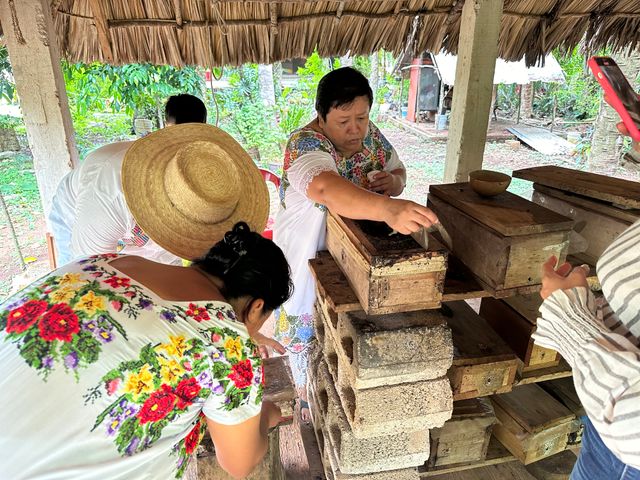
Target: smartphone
x,y
621,95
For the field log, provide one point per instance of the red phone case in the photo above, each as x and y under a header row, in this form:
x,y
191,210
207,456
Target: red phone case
x,y
614,99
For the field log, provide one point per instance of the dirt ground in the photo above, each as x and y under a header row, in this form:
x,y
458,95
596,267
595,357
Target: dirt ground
x,y
424,160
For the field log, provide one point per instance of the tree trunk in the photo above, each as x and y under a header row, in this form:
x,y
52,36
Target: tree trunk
x,y
605,142
277,78
267,89
373,80
526,109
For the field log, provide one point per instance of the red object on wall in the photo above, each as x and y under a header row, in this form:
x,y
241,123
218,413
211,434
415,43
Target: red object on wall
x,y
414,88
273,178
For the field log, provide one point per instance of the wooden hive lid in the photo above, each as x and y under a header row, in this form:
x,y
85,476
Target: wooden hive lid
x,y
507,214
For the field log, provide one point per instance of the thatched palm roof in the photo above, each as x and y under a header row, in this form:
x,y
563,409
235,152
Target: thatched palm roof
x,y
217,32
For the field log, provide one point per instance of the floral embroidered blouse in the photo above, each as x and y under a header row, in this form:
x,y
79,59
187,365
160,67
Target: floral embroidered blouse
x,y
101,378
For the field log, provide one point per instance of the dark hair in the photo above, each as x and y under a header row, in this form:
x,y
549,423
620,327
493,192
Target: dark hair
x,y
185,108
249,264
341,87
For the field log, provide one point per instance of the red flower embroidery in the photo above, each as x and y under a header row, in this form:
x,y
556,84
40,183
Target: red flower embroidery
x,y
241,374
23,317
198,313
186,391
117,305
116,282
215,338
112,386
59,323
192,440
158,405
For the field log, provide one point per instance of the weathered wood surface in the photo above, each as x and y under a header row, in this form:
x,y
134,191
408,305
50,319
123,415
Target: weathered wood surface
x,y
593,231
465,437
483,364
516,331
615,190
499,262
507,214
392,285
542,140
533,425
564,391
335,286
562,370
278,383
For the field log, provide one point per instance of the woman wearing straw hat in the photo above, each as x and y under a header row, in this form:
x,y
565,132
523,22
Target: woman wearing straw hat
x,y
341,162
115,366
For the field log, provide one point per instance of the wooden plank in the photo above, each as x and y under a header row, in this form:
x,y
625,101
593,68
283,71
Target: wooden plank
x,y
533,409
482,363
628,216
477,52
497,471
615,190
334,286
592,232
526,305
278,383
465,437
516,331
496,455
507,214
542,140
562,370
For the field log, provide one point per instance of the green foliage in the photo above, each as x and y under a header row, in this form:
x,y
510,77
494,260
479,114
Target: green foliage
x,y
578,98
19,187
314,69
96,129
11,123
133,89
7,86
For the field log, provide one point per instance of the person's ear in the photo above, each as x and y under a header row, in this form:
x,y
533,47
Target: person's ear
x,y
255,314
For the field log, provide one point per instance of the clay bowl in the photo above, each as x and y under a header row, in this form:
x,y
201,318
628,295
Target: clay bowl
x,y
489,183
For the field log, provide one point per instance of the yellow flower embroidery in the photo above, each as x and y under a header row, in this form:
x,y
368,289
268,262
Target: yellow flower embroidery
x,y
71,279
283,323
177,347
139,383
62,295
170,370
233,346
90,303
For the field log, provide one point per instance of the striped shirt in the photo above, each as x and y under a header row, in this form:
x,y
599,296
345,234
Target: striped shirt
x,y
601,343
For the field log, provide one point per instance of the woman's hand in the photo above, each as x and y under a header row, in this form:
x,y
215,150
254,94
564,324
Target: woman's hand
x,y
405,216
562,278
264,343
387,184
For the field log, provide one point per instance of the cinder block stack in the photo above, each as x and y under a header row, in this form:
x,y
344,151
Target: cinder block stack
x,y
378,384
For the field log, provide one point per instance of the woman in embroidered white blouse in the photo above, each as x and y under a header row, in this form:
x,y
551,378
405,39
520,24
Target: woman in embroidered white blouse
x,y
341,162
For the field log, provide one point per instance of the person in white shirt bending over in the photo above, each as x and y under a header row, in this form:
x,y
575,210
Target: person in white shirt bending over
x,y
89,214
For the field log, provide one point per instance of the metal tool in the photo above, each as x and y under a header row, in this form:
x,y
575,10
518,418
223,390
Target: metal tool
x,y
422,236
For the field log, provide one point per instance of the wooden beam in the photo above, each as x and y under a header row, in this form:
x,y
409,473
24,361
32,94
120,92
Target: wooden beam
x,y
35,57
477,52
102,26
177,8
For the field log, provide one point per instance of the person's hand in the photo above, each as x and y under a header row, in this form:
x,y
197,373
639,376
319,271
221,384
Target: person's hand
x,y
272,414
405,216
386,183
264,343
622,129
562,278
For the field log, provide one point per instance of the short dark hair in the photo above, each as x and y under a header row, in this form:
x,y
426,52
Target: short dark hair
x,y
185,108
341,87
249,265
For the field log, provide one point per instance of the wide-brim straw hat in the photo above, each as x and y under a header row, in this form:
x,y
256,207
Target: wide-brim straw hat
x,y
187,185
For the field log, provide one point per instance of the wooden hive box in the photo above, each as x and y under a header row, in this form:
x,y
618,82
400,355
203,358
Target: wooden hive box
x,y
503,239
597,223
514,319
483,364
387,273
532,424
464,438
563,390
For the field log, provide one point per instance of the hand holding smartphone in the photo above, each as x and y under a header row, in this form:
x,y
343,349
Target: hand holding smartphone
x,y
620,94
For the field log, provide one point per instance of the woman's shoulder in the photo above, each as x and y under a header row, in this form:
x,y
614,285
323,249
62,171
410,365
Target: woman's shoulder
x,y
378,138
307,140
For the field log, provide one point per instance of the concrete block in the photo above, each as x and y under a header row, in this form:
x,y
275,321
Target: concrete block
x,y
390,349
362,455
332,470
407,407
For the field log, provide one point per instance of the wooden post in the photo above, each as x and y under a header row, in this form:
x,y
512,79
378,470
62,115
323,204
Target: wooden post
x,y
33,50
477,51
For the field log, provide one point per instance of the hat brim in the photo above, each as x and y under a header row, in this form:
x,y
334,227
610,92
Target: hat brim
x,y
143,176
